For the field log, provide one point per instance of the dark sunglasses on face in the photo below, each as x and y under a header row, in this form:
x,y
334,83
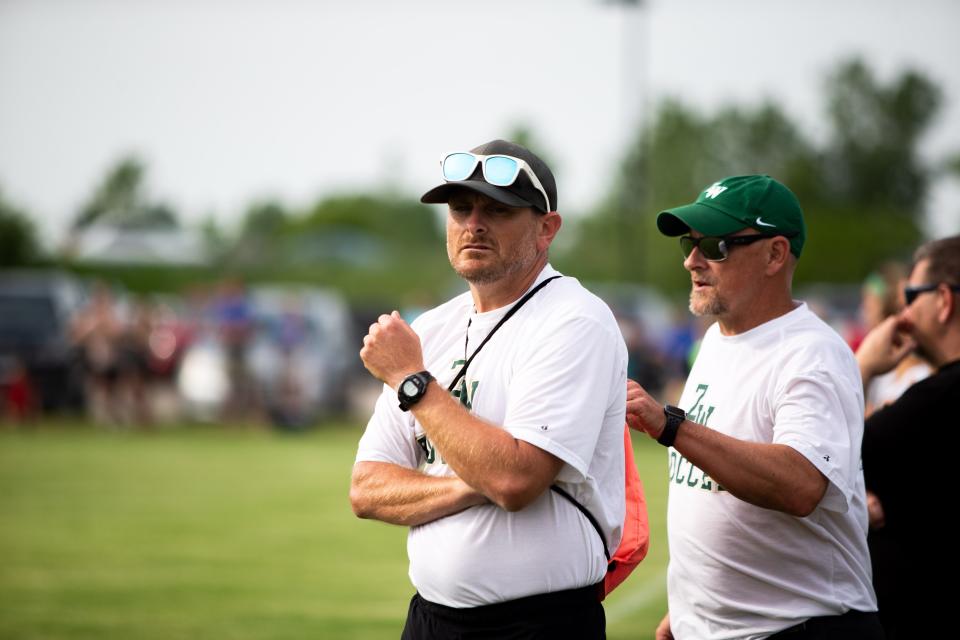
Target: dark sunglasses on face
x,y
717,248
910,293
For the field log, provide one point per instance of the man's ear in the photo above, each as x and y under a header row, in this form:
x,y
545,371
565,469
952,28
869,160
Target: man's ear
x,y
549,226
778,255
947,303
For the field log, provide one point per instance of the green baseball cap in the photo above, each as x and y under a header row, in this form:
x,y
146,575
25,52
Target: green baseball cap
x,y
736,203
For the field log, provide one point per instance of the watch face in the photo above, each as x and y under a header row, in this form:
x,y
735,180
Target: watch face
x,y
409,388
676,412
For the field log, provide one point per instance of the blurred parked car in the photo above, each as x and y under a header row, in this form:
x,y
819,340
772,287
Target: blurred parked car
x,y
36,310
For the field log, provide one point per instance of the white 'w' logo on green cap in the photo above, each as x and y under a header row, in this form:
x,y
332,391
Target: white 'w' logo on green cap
x,y
714,190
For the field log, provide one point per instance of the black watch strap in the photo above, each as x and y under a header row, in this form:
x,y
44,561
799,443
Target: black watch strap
x,y
675,417
413,388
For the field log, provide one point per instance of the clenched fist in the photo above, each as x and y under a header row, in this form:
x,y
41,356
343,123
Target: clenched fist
x,y
391,350
643,412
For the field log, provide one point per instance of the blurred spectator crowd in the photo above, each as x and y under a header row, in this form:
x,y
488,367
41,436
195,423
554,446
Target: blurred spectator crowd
x,y
266,354
286,355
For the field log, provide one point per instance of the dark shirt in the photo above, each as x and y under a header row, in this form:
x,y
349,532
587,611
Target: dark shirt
x,y
908,453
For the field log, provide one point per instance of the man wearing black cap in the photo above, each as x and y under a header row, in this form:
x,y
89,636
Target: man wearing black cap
x,y
767,516
490,401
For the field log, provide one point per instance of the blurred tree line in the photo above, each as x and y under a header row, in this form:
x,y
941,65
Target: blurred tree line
x,y
863,192
18,236
372,246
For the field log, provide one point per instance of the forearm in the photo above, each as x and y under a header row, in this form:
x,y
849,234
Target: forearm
x,y
773,476
398,495
511,472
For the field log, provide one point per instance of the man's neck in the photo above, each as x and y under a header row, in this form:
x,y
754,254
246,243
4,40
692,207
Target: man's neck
x,y
493,295
949,350
763,310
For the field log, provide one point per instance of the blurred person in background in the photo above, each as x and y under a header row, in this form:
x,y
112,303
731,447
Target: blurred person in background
x,y
233,317
680,347
882,297
766,515
287,398
901,443
18,395
466,456
97,330
134,373
645,364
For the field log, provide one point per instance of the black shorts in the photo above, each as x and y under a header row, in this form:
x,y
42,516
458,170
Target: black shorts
x,y
576,613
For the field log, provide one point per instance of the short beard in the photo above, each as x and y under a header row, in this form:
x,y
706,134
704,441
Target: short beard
x,y
520,261
497,272
482,276
701,306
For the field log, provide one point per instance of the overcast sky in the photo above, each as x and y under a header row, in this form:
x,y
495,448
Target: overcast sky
x,y
229,101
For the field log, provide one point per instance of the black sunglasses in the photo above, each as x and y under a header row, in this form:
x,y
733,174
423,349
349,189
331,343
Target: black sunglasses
x,y
910,293
717,248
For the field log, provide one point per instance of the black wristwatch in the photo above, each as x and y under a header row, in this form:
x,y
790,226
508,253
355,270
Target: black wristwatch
x,y
413,388
675,416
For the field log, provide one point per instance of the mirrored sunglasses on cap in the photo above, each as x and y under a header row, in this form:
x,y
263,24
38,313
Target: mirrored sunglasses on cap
x,y
717,248
499,170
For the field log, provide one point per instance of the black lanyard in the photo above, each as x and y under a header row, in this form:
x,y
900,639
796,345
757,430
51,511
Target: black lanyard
x,y
506,316
463,372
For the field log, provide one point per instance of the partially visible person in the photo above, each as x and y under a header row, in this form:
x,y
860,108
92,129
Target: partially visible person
x,y
766,515
906,447
881,297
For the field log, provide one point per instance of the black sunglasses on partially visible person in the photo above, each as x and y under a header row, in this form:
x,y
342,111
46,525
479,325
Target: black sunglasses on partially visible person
x,y
717,248
910,293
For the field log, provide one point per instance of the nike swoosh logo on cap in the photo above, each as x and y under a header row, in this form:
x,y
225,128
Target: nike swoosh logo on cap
x,y
764,224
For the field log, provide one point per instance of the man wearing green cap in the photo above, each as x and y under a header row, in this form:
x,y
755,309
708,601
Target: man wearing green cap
x,y
767,520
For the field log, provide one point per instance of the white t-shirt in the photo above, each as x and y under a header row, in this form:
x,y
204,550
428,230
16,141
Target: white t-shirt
x,y
553,375
741,571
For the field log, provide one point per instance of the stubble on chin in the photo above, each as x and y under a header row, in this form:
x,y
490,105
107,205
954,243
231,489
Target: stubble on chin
x,y
475,271
703,305
489,273
480,275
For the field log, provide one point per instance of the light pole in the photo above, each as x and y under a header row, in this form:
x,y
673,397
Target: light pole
x,y
634,54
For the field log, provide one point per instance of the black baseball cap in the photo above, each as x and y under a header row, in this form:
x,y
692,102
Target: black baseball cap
x,y
522,193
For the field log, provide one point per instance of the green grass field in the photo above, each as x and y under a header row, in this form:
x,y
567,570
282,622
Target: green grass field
x,y
213,533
